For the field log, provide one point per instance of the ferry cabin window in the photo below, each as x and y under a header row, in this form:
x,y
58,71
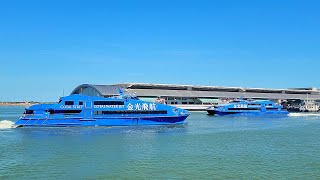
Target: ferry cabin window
x,y
80,103
68,103
272,108
108,102
29,112
254,104
65,111
243,109
129,112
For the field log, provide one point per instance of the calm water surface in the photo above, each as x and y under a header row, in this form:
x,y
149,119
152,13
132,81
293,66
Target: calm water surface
x,y
207,148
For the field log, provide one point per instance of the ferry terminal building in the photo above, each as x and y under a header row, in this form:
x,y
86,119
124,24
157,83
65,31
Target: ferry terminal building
x,y
196,97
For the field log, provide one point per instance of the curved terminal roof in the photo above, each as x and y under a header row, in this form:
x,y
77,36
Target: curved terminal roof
x,y
218,88
169,90
145,89
98,90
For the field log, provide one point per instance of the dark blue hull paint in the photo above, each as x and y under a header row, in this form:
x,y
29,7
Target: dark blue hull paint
x,y
101,121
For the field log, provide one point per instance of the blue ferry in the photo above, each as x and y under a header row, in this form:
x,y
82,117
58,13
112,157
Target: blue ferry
x,y
247,107
88,107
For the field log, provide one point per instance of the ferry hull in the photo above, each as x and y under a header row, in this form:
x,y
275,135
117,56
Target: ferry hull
x,y
257,113
101,121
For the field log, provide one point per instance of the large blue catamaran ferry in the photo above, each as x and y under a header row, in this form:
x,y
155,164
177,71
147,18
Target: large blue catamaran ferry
x,y
243,107
101,105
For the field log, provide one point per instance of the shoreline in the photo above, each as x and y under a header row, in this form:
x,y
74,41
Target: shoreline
x,y
22,103
15,104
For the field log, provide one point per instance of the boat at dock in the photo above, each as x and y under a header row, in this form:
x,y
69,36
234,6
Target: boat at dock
x,y
303,106
83,110
247,107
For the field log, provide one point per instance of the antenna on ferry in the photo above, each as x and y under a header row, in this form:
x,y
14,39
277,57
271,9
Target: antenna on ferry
x,y
120,91
27,104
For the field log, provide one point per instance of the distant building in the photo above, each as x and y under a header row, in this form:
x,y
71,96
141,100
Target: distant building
x,y
196,97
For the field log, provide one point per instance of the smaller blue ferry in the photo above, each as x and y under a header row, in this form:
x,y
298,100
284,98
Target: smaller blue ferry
x,y
94,105
247,107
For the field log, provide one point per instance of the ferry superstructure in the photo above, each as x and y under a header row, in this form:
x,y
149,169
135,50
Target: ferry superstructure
x,y
247,107
84,110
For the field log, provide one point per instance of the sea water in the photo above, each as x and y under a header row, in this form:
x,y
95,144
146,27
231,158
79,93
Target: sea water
x,y
206,148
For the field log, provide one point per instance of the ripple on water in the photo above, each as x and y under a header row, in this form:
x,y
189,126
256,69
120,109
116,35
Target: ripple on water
x,y
207,148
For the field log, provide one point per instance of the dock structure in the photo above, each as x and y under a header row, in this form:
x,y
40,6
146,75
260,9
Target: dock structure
x,y
194,97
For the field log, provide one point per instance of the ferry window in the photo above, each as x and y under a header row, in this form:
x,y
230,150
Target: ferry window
x,y
273,108
29,112
51,111
243,108
254,104
97,112
108,102
129,112
68,103
172,102
184,102
65,111
80,102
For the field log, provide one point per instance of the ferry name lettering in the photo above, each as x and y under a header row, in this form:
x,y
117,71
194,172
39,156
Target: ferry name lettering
x,y
240,106
142,106
71,106
108,106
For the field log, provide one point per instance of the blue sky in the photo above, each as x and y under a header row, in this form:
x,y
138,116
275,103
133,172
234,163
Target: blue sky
x,y
50,46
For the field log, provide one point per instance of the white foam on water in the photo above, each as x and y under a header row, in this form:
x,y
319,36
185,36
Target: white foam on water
x,y
6,124
304,114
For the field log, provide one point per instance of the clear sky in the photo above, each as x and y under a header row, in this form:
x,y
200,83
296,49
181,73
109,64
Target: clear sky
x,y
50,46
